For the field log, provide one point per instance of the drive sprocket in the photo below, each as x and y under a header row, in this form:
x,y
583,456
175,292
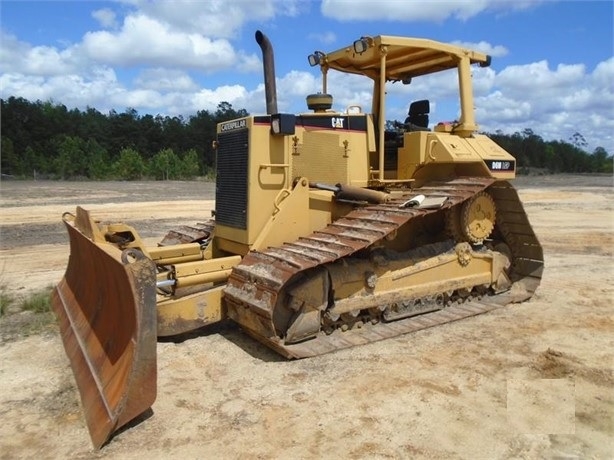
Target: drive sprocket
x,y
477,218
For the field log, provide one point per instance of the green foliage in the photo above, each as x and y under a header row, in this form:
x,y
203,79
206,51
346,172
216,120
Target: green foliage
x,y
46,140
531,151
159,165
164,165
71,159
24,315
129,165
38,302
8,158
98,165
5,300
31,164
601,162
189,166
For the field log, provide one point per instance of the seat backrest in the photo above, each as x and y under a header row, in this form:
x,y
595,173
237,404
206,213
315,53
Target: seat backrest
x,y
418,118
419,107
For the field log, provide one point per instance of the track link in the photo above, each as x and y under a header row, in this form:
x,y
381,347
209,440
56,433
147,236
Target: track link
x,y
200,232
256,284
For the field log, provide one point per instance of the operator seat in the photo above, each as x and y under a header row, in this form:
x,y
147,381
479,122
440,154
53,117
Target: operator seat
x,y
418,119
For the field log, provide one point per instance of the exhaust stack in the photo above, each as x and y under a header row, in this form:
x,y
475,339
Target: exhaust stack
x,y
269,72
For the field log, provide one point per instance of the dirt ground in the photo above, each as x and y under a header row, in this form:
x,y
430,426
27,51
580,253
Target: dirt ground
x,y
527,381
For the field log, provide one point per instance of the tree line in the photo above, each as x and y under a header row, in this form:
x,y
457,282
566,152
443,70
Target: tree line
x,y
46,140
531,151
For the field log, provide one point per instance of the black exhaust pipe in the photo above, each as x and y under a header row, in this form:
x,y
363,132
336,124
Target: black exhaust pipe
x,y
269,72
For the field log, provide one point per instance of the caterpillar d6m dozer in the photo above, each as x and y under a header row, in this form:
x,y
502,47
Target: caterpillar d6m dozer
x,y
328,232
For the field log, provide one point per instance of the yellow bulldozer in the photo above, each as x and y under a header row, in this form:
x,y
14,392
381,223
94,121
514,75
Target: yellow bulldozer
x,y
329,231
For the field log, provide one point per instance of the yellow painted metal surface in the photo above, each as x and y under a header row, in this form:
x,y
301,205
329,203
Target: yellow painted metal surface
x,y
184,314
303,256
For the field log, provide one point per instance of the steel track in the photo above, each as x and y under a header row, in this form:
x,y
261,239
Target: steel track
x,y
255,285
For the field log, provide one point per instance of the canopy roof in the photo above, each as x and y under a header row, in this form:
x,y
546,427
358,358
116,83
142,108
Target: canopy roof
x,y
405,57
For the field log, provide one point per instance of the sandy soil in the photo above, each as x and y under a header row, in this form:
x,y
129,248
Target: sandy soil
x,y
529,381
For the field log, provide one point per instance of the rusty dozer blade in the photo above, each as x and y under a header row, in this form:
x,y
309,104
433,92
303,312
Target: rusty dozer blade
x,y
105,306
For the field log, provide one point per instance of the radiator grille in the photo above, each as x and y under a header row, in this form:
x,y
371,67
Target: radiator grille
x,y
231,180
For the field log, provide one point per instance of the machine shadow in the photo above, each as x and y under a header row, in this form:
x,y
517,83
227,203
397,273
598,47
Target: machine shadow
x,y
233,333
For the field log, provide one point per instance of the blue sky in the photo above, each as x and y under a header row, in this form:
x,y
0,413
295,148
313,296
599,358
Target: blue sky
x,y
552,68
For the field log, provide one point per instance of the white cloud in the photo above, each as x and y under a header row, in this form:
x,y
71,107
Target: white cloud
x,y
21,57
553,102
97,89
143,40
144,99
484,47
26,86
505,109
416,10
602,87
162,79
394,10
298,84
215,18
604,73
173,37
527,76
249,63
208,99
105,17
483,80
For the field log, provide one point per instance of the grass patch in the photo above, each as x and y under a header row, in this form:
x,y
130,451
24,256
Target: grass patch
x,y
25,315
6,299
38,302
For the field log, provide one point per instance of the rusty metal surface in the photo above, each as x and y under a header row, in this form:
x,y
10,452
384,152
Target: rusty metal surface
x,y
189,234
255,285
107,317
372,333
